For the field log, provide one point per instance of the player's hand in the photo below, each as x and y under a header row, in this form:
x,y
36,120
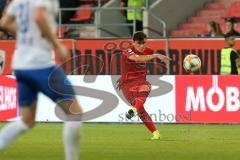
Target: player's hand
x,y
164,58
62,52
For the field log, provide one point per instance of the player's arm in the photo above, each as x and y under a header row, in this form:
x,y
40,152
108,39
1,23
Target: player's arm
x,y
8,24
146,58
142,58
237,59
44,26
238,62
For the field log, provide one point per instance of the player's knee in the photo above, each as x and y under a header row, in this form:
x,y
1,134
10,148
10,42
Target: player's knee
x,y
139,102
143,96
145,88
70,106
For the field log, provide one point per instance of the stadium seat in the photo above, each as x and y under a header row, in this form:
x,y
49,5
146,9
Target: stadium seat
x,y
214,11
233,10
185,33
83,15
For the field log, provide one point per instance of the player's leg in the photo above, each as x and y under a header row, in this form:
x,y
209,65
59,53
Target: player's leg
x,y
71,139
54,86
138,107
29,114
27,100
144,116
70,106
71,130
10,132
147,120
139,94
140,97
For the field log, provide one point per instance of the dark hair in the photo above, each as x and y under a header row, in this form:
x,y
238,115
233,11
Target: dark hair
x,y
228,35
231,20
216,28
139,36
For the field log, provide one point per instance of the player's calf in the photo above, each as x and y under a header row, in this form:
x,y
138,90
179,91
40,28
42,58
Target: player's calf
x,y
10,132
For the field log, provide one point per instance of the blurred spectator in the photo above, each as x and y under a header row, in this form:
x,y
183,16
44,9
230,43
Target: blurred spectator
x,y
214,30
3,4
230,57
2,34
130,13
230,25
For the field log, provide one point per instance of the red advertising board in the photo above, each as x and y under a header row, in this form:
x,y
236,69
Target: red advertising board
x,y
110,50
8,46
208,99
103,56
8,98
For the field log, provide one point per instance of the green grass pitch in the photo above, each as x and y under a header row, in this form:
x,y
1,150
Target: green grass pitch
x,y
131,142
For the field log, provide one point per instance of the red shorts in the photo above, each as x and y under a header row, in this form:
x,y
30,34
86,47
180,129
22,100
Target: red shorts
x,y
131,90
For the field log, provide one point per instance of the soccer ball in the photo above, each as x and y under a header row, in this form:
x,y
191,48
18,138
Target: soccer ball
x,y
192,63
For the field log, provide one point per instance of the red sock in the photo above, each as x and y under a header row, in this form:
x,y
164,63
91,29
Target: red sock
x,y
144,116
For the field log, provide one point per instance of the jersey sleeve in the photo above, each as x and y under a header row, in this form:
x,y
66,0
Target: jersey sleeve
x,y
148,51
11,10
128,53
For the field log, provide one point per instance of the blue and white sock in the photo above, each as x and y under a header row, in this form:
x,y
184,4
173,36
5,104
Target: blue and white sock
x,y
10,132
71,137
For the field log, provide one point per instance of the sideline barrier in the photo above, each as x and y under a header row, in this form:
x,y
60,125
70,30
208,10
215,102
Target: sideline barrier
x,y
174,99
8,98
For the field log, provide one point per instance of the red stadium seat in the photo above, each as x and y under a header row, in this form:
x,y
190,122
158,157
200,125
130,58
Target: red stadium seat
x,y
234,10
213,11
83,15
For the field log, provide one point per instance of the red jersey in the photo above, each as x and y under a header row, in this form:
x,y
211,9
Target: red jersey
x,y
131,70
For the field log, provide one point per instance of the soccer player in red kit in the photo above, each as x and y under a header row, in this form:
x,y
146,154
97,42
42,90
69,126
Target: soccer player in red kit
x,y
133,81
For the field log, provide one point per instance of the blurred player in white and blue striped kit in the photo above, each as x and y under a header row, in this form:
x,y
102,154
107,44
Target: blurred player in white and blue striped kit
x,y
33,23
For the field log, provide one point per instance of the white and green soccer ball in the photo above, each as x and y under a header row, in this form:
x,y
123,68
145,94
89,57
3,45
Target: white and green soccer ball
x,y
192,63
